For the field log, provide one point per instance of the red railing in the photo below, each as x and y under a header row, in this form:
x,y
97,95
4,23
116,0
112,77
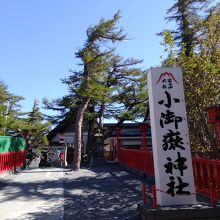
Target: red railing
x,y
131,157
205,171
150,163
137,159
11,160
140,159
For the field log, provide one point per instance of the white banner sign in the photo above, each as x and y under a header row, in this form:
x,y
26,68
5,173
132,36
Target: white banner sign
x,y
170,139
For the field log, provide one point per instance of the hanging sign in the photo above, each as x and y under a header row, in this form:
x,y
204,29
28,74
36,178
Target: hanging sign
x,y
170,139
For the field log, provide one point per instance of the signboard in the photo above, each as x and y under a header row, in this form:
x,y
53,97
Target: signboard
x,y
170,139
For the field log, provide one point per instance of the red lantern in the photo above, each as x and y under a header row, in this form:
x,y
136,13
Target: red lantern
x,y
214,118
214,114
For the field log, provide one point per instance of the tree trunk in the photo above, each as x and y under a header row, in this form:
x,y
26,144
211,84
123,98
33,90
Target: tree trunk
x,y
78,134
90,139
101,115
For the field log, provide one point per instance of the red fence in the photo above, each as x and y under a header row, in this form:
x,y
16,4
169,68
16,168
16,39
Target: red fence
x,y
126,156
137,159
140,159
11,160
205,171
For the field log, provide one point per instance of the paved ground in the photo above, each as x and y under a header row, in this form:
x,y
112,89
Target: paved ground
x,y
107,192
32,194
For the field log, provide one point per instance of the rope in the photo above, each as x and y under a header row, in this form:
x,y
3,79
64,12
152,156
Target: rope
x,y
194,193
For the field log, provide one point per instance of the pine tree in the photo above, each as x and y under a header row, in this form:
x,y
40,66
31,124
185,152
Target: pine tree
x,y
201,80
38,129
184,13
35,116
95,91
10,112
95,61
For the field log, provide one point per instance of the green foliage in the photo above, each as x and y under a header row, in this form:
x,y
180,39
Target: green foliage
x,y
9,110
201,79
38,129
115,86
107,86
185,13
12,121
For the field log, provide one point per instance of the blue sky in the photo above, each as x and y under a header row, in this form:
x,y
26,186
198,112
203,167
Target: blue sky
x,y
38,39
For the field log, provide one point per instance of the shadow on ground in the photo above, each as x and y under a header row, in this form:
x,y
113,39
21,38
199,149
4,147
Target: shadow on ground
x,y
30,195
107,192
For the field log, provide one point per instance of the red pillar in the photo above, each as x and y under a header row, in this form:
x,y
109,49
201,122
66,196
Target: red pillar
x,y
111,149
218,132
212,194
143,136
144,144
118,142
154,194
144,192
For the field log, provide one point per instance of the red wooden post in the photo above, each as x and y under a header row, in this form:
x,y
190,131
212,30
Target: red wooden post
x,y
143,136
16,159
154,194
217,174
118,142
1,162
111,149
214,118
212,194
218,132
201,173
196,171
207,164
144,192
144,144
118,137
24,158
